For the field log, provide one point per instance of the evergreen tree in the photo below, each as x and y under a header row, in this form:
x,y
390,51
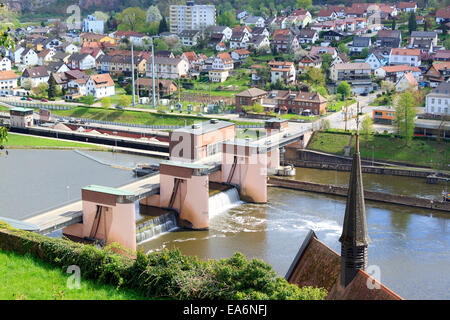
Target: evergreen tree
x,y
52,90
412,23
393,24
163,27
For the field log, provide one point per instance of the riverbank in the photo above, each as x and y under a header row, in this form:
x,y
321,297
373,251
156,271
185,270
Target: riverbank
x,y
22,141
368,195
422,152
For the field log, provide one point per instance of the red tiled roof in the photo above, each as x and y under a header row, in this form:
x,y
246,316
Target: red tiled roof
x,y
405,52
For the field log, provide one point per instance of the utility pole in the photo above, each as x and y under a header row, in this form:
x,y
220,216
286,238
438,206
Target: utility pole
x,y
132,75
153,75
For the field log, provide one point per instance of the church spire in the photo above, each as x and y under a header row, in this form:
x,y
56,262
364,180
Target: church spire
x,y
354,239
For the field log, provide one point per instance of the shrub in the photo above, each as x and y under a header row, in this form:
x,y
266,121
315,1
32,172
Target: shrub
x,y
167,273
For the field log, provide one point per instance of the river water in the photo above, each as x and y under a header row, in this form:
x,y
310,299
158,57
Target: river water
x,y
411,246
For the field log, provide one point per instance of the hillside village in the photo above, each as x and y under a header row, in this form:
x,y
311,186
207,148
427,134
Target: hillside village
x,y
296,63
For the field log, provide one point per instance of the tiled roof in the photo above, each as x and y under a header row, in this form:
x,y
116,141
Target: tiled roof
x,y
405,52
8,75
102,80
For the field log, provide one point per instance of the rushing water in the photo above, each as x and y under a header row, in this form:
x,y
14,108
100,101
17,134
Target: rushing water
x,y
411,246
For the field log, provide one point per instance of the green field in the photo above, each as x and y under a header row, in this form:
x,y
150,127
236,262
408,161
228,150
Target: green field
x,y
421,152
18,140
27,278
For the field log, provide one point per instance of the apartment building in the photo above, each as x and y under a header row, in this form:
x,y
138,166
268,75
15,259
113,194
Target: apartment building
x,y
358,75
283,71
437,101
191,17
405,56
8,81
168,68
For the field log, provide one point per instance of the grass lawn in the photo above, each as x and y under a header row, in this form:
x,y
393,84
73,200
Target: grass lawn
x,y
27,278
18,140
337,106
420,152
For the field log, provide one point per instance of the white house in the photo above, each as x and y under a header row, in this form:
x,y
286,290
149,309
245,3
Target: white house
x,y
45,56
239,40
69,47
91,24
5,63
218,75
254,21
223,61
308,36
375,60
407,81
28,57
37,75
437,102
81,61
8,81
226,31
100,86
168,68
283,71
405,56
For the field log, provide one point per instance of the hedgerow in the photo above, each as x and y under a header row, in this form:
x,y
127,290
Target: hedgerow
x,y
164,274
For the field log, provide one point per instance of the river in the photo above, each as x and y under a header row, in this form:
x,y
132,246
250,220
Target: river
x,y
411,246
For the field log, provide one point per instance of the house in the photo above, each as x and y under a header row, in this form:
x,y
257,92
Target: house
x,y
407,6
437,102
224,30
256,78
221,47
321,50
218,75
28,57
168,68
260,31
192,59
45,56
249,97
307,36
245,29
14,55
241,14
389,38
240,55
81,61
438,72
443,15
135,37
283,71
121,64
189,37
8,81
383,114
239,40
75,83
332,35
425,46
69,47
407,81
423,35
442,55
57,67
91,24
394,73
357,74
5,63
259,42
280,22
359,44
284,41
51,43
36,75
326,14
100,86
95,52
162,87
405,56
297,102
96,37
375,60
309,61
216,38
223,61
254,21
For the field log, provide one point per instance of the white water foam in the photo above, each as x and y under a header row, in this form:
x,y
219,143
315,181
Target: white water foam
x,y
223,201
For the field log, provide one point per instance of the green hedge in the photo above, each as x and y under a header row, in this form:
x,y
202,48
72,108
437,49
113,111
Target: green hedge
x,y
164,274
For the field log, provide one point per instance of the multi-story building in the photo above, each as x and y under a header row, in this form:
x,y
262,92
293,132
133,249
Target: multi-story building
x,y
283,71
36,75
121,64
358,75
168,68
8,81
5,63
191,17
100,86
405,56
438,100
91,24
296,102
249,97
437,73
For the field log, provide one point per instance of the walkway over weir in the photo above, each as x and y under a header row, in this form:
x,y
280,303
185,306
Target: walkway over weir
x,y
71,213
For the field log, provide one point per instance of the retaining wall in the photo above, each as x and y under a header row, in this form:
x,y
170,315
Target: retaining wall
x,y
368,195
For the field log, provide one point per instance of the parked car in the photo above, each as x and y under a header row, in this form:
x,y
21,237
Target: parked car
x,y
44,100
117,107
29,99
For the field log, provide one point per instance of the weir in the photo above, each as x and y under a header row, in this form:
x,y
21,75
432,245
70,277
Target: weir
x,y
223,201
151,226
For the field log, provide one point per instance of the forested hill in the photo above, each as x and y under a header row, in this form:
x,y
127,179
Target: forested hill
x,y
256,7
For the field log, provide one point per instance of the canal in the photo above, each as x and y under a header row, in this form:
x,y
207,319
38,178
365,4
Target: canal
x,y
411,246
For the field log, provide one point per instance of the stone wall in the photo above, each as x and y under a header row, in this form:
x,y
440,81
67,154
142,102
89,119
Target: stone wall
x,y
368,195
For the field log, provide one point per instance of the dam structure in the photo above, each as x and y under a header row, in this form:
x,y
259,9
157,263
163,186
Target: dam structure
x,y
208,171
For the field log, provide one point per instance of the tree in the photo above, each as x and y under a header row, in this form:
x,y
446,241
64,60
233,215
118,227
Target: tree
x,y
344,89
343,48
106,102
393,24
258,108
387,86
304,4
160,45
153,14
226,18
412,23
89,99
322,91
133,19
124,101
367,129
314,77
42,89
364,53
27,84
163,27
52,87
404,115
100,15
